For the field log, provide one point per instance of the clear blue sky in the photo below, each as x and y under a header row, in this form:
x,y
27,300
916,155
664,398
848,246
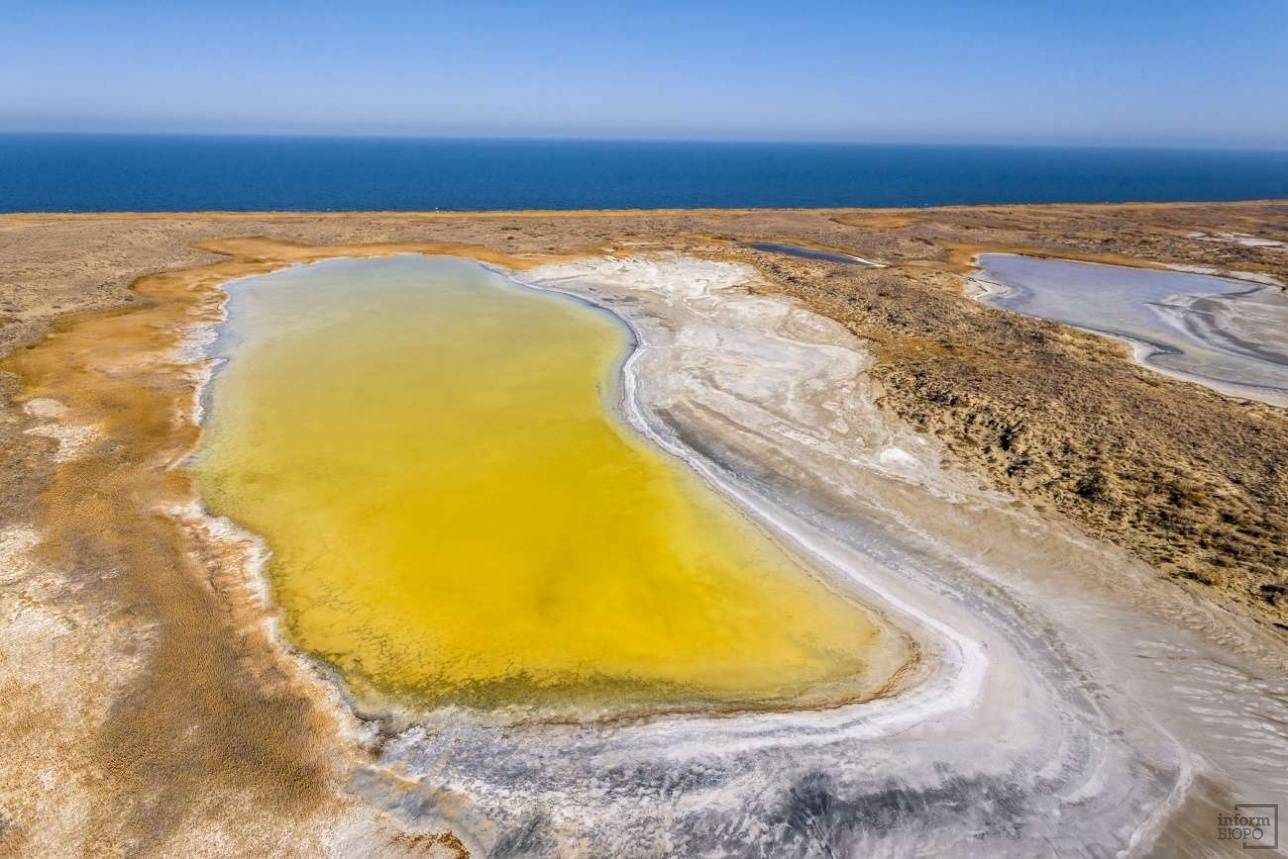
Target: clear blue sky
x,y
1148,72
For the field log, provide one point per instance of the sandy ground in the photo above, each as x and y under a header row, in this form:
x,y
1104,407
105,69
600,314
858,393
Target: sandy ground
x,y
131,671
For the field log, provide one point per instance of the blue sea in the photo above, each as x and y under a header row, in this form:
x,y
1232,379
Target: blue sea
x,y
94,173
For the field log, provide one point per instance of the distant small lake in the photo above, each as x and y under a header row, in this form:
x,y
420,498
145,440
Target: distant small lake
x,y
1224,333
809,253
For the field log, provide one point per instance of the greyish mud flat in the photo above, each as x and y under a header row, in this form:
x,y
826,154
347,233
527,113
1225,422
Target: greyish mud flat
x,y
1228,334
1058,697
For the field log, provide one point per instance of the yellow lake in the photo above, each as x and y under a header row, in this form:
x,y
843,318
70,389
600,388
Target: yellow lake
x,y
457,516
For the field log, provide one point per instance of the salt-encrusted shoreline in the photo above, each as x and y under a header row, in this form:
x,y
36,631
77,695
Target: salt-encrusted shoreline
x,y
1000,664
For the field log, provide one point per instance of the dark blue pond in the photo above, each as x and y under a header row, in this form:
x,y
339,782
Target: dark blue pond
x,y
807,253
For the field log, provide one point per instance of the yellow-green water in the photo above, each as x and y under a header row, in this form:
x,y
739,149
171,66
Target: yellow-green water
x,y
456,516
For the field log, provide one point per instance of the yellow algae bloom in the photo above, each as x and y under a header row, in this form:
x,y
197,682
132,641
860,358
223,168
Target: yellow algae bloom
x,y
456,516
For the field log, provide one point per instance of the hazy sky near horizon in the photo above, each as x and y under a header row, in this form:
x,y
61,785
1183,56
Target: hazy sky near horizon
x,y
1139,72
